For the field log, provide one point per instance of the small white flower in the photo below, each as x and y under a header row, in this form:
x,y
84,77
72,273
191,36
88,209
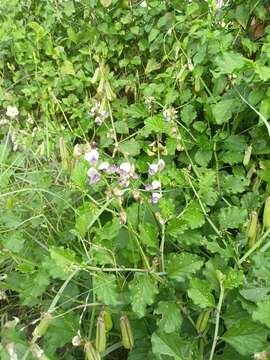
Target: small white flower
x,y
76,340
156,185
153,169
161,164
93,175
92,156
104,166
12,111
155,198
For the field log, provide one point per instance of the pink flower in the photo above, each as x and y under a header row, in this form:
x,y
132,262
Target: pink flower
x,y
153,169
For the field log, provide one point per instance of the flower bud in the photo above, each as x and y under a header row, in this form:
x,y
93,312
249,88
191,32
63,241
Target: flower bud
x,y
202,321
100,335
127,336
252,228
105,314
266,214
42,327
90,352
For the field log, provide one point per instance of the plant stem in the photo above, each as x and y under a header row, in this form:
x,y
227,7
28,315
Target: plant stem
x,y
254,247
218,310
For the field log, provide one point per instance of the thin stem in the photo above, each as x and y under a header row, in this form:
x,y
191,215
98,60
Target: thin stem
x,y
218,311
254,247
162,245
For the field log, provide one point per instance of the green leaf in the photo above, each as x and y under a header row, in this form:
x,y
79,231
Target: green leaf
x,y
193,216
143,289
234,184
234,279
152,65
262,313
106,3
156,124
13,241
242,14
130,147
106,289
223,111
182,266
67,68
188,114
229,62
200,293
246,337
171,345
171,316
64,258
232,217
263,72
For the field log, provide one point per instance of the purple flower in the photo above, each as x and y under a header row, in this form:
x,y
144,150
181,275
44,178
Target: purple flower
x,y
153,186
92,156
125,169
123,182
161,164
153,169
104,113
155,198
112,169
93,175
98,121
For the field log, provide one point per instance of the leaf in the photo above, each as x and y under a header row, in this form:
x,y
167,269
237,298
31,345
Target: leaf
x,y
188,114
262,313
171,316
64,258
242,14
246,337
193,216
234,184
255,294
223,111
67,68
171,345
229,62
200,293
13,241
152,65
232,217
182,266
130,147
156,124
105,3
263,72
106,288
234,279
143,289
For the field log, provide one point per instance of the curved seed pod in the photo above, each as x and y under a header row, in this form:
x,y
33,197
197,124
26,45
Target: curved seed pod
x,y
252,228
127,336
202,321
105,314
42,327
266,213
90,352
100,335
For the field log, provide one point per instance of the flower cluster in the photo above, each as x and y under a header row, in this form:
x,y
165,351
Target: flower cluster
x,y
169,114
99,113
122,175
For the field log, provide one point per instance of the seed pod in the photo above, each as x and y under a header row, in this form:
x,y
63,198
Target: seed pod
x,y
127,336
155,264
100,335
266,213
108,319
247,155
202,321
42,327
252,228
90,352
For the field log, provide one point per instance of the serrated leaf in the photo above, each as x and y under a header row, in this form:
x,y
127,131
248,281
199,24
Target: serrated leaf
x,y
262,313
229,62
193,216
234,184
234,279
200,293
232,217
152,65
188,114
171,345
171,316
246,337
105,287
67,68
182,266
64,258
105,3
143,289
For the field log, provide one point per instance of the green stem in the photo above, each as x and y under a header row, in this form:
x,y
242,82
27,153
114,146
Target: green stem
x,y
254,247
218,311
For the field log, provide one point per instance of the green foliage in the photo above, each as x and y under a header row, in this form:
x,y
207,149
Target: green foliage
x,y
171,98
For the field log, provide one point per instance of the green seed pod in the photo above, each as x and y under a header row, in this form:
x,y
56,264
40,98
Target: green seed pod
x,y
100,335
247,155
202,321
266,214
90,352
108,319
127,336
252,228
42,327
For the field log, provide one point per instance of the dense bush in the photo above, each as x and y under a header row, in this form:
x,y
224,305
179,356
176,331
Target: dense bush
x,y
134,179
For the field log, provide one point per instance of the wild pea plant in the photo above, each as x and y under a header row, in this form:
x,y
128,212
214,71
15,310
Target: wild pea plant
x,y
134,177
